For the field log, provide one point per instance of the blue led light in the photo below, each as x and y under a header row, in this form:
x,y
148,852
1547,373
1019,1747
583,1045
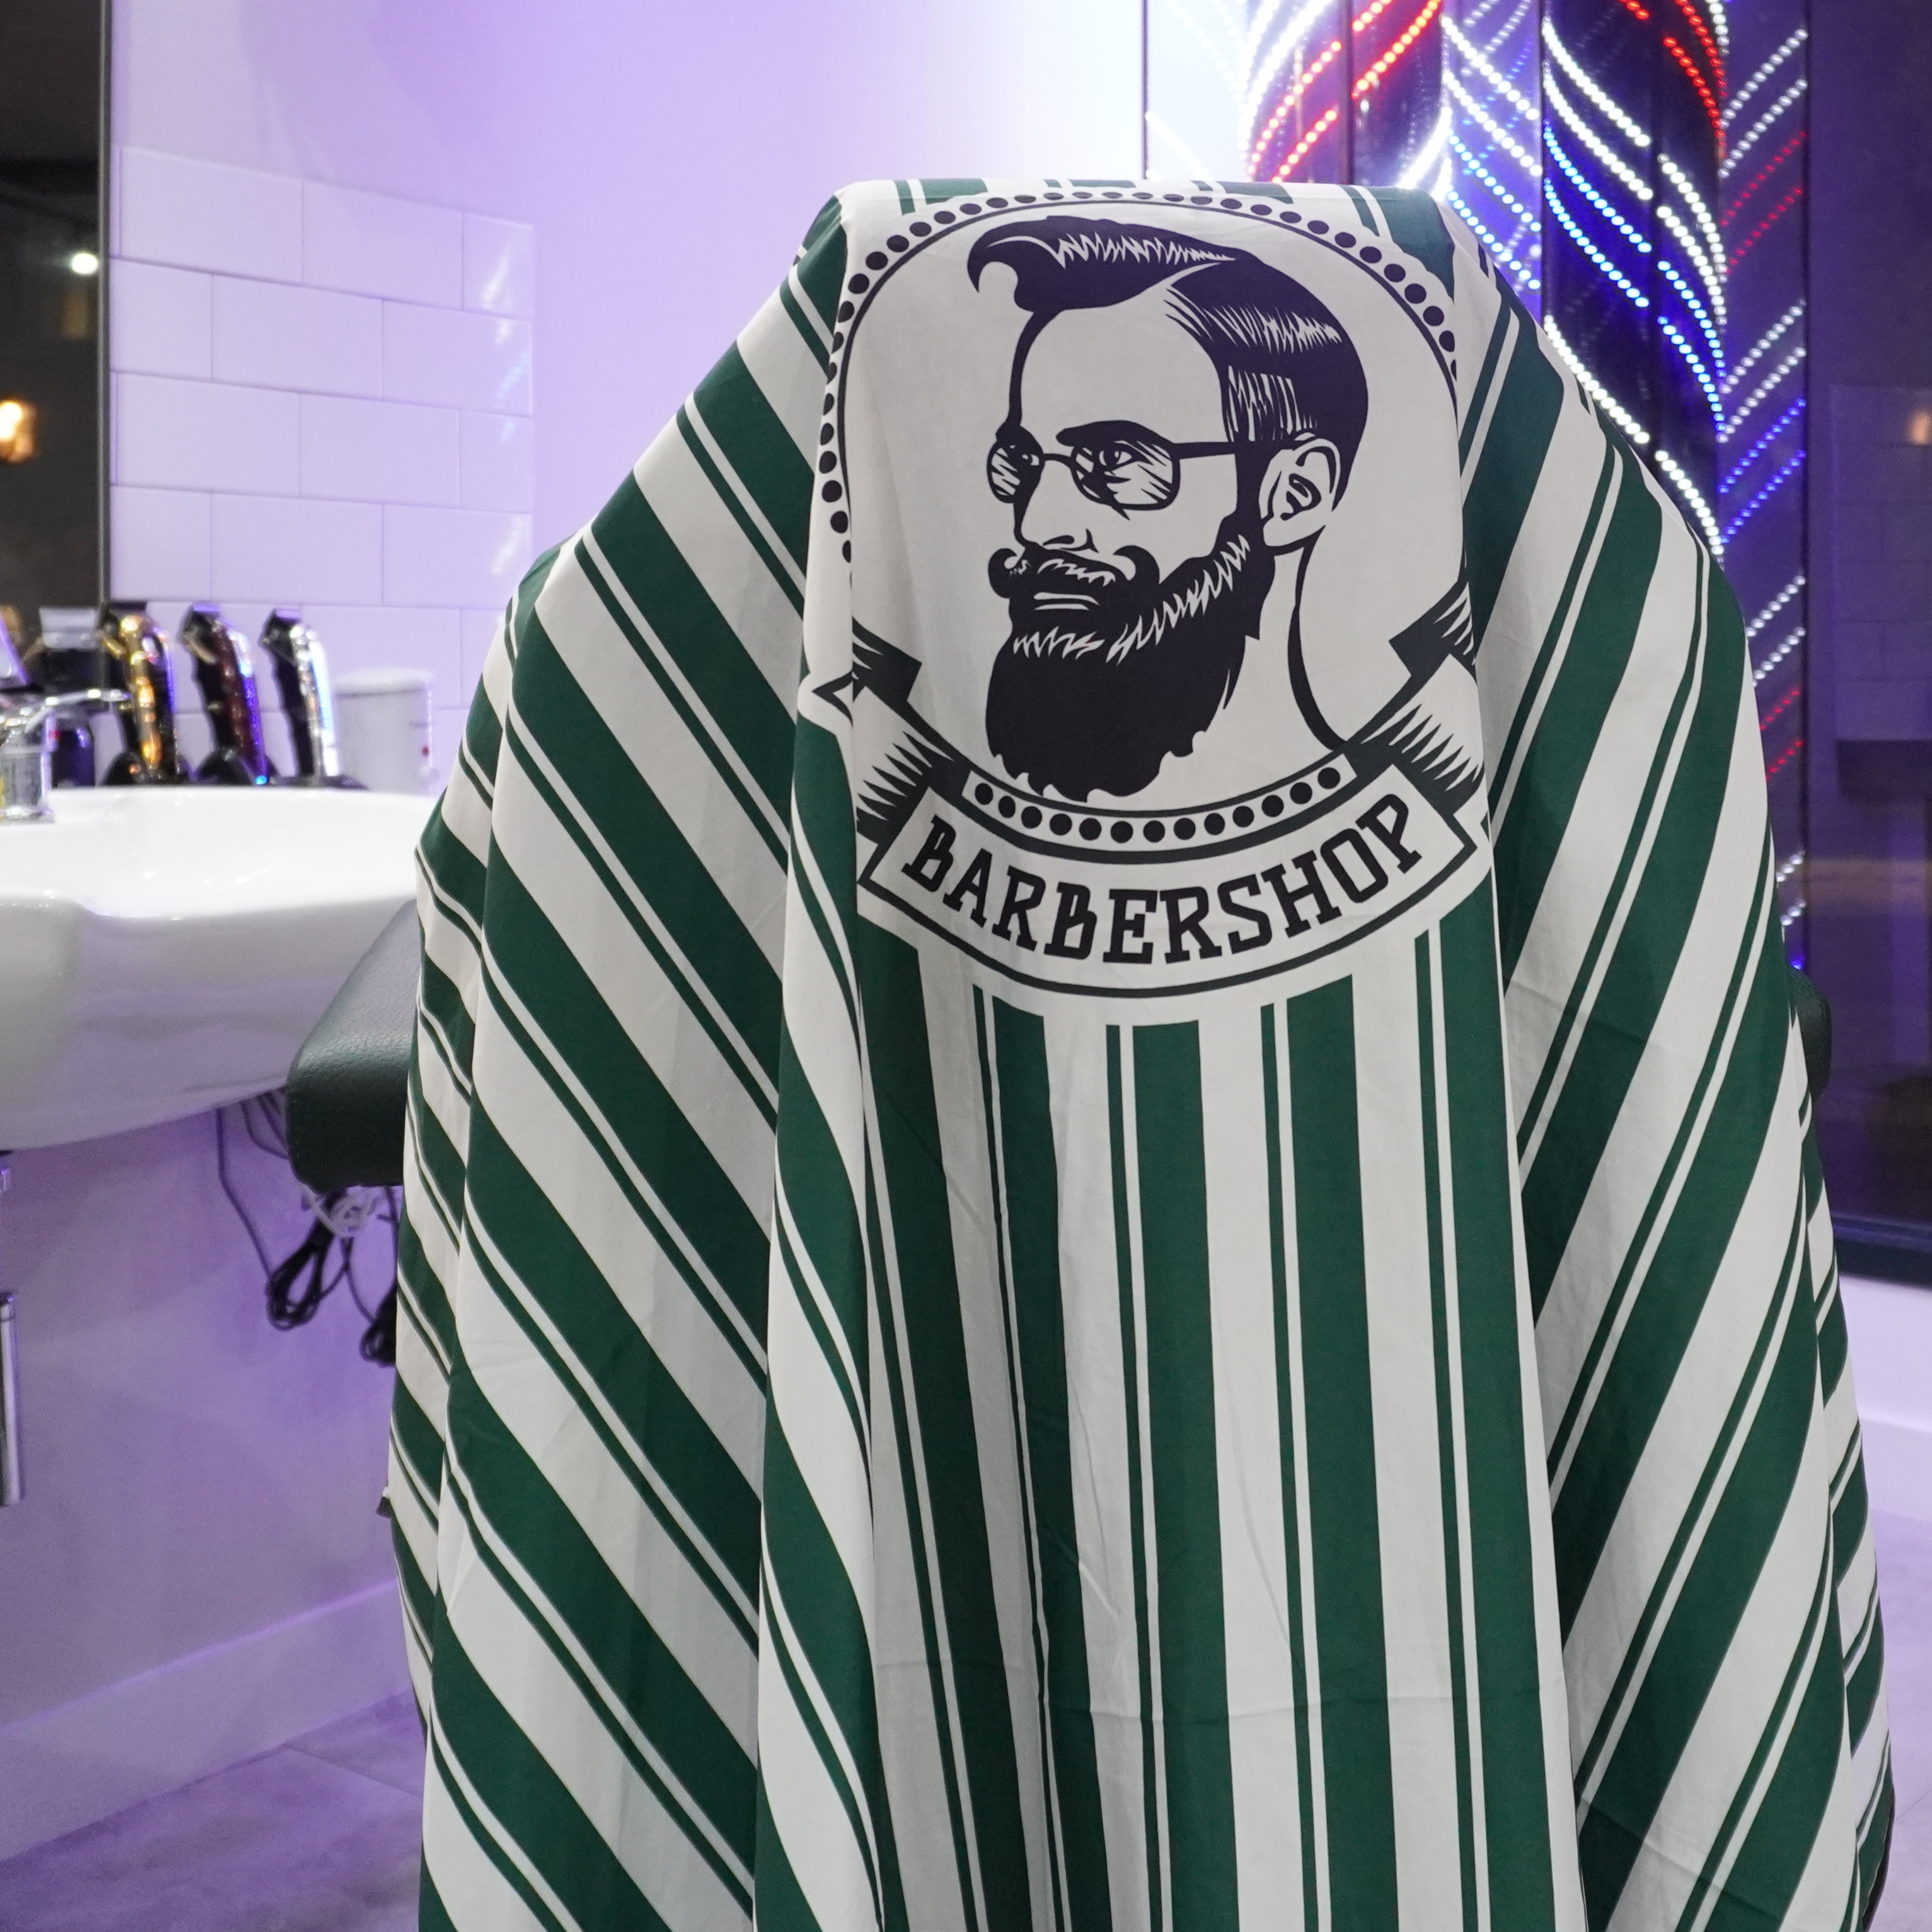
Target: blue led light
x,y
1786,471
1763,442
1610,270
1695,363
1672,274
1601,203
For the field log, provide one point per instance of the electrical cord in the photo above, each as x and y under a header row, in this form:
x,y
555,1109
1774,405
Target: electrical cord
x,y
295,1288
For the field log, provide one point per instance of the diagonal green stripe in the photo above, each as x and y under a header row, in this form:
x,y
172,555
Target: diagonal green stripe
x,y
629,1375
1664,1307
1556,761
528,954
739,703
754,440
715,954
545,1538
512,1778
1498,495
1137,1523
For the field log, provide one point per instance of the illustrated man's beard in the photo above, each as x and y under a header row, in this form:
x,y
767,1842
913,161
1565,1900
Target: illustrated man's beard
x,y
1093,694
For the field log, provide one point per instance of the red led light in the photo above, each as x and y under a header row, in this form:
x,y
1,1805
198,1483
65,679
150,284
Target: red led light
x,y
1764,227
1301,149
1763,174
1704,40
1675,49
1790,751
1403,42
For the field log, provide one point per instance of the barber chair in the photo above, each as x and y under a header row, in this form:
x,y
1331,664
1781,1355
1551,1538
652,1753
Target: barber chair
x,y
348,1089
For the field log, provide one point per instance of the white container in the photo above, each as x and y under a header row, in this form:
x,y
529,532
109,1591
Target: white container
x,y
383,720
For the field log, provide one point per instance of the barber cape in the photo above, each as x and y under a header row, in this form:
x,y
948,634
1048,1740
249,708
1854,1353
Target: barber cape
x,y
1113,1221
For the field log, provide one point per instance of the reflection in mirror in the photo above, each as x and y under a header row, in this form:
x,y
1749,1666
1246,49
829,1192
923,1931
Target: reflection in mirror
x,y
50,288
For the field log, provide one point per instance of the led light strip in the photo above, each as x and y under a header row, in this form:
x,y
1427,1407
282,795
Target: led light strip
x,y
1785,871
1467,49
1306,80
1700,86
1476,112
1730,429
1779,56
1521,210
1327,121
1594,390
1762,125
1764,174
1674,276
1433,153
1591,91
1597,145
1712,279
1763,442
1695,363
1770,221
1401,45
1692,496
1788,469
1777,711
1786,646
1608,268
1288,43
1776,605
1687,193
1498,250
1601,203
1763,346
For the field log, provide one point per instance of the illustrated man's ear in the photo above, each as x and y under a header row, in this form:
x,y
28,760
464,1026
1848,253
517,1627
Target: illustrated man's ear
x,y
1298,493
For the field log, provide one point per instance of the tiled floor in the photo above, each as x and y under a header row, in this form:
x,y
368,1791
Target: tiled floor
x,y
321,1835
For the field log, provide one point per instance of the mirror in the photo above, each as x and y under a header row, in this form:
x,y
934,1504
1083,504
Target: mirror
x,y
51,285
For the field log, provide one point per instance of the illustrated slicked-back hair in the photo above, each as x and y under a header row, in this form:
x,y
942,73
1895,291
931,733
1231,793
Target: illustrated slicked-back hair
x,y
1286,368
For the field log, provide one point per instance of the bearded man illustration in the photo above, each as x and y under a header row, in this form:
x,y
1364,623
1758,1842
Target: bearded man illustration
x,y
1180,423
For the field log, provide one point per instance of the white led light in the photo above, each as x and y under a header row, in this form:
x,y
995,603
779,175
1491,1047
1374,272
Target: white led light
x,y
1688,491
84,261
1591,91
1594,390
1745,363
1779,56
1573,119
1760,127
1776,605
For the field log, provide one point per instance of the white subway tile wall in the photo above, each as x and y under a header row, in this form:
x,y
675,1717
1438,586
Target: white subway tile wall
x,y
321,397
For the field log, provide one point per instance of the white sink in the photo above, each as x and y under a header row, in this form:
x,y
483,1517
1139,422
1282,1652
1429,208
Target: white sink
x,y
163,950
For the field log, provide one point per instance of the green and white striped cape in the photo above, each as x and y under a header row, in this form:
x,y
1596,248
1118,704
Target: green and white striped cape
x,y
882,1441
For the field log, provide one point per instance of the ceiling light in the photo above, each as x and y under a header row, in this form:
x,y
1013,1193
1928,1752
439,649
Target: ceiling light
x,y
84,261
17,429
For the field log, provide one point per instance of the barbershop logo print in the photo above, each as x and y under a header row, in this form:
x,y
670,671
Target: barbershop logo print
x,y
1149,530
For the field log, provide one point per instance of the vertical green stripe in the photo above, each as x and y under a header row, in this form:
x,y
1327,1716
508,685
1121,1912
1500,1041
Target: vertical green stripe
x,y
1455,1554
1030,1179
1339,1404
1171,1156
1489,1288
899,1050
1137,1525
1288,1402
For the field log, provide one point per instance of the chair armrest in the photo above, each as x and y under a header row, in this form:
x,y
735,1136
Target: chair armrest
x,y
348,1088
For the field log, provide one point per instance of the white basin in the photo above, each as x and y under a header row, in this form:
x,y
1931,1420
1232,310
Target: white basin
x,y
164,950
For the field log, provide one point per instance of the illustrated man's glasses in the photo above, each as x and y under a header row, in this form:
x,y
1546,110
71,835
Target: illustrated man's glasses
x,y
1120,464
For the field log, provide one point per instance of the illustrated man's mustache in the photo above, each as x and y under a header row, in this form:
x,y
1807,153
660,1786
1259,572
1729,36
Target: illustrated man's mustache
x,y
1044,587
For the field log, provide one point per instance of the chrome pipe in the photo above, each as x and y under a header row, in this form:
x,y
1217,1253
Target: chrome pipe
x,y
12,1487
